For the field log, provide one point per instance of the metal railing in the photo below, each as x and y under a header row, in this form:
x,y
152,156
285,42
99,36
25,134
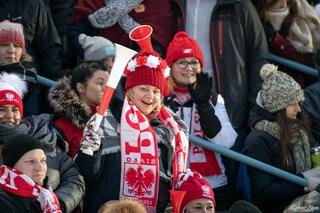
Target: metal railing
x,y
249,161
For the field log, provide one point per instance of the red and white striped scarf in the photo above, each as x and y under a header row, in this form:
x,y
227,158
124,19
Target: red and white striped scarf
x,y
17,183
139,155
201,160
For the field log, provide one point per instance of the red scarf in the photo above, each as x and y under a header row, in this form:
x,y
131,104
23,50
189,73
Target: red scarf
x,y
139,155
202,160
17,183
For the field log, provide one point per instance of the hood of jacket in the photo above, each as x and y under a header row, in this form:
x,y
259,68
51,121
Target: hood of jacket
x,y
65,102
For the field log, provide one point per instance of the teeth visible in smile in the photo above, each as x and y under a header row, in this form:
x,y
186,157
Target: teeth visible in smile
x,y
147,103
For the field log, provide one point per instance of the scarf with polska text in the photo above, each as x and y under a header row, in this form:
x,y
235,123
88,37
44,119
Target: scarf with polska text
x,y
17,183
201,160
139,155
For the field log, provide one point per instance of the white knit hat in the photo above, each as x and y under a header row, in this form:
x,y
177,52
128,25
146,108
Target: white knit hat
x,y
96,47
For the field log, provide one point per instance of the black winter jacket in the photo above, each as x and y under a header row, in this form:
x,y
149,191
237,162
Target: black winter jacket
x,y
239,50
62,172
10,203
269,193
311,105
42,40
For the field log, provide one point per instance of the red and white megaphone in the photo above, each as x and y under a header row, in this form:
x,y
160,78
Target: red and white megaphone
x,y
142,35
122,57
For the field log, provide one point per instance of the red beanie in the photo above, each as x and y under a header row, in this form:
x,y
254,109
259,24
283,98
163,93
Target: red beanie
x,y
195,187
11,32
183,46
147,68
12,89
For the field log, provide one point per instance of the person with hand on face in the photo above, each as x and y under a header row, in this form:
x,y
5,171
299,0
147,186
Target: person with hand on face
x,y
280,137
23,177
138,157
204,112
75,100
62,173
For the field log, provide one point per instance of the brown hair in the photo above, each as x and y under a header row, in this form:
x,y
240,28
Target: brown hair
x,y
122,206
286,132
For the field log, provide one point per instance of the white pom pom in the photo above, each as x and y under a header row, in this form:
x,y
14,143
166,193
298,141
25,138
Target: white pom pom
x,y
267,70
15,81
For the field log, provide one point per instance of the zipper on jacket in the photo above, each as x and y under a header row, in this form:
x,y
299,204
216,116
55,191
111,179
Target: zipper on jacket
x,y
220,53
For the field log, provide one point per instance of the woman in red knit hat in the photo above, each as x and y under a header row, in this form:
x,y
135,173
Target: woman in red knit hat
x,y
140,155
204,113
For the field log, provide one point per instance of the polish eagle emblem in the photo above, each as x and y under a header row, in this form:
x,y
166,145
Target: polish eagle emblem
x,y
139,182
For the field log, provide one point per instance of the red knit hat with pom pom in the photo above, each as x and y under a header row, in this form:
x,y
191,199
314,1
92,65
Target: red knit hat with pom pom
x,y
147,68
183,46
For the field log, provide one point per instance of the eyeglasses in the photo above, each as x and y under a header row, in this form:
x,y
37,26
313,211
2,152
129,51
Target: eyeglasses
x,y
182,64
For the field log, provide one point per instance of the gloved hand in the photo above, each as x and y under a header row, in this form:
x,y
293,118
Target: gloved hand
x,y
201,90
313,177
269,31
91,140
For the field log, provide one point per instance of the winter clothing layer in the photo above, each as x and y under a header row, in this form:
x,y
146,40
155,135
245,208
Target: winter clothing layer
x,y
63,175
158,14
71,114
102,171
239,50
279,90
41,37
312,106
12,203
269,193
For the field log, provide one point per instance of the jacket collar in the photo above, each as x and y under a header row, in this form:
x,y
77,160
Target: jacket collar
x,y
66,103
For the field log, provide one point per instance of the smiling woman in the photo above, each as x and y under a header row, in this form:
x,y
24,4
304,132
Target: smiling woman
x,y
139,156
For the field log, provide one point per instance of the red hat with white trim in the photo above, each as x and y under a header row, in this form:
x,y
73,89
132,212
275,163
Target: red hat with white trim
x,y
147,68
195,187
12,89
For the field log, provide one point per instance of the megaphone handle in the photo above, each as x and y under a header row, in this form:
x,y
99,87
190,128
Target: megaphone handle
x,y
97,122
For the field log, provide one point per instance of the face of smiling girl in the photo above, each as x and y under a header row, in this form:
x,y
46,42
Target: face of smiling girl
x,y
145,97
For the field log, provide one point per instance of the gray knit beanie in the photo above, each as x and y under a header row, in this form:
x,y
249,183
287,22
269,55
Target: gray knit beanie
x,y
279,90
96,47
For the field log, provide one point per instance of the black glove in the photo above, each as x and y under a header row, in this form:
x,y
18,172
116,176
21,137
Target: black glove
x,y
200,91
269,31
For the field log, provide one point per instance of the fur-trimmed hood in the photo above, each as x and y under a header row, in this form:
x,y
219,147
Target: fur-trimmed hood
x,y
66,103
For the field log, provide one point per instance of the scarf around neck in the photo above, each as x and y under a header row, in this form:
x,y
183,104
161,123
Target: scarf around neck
x,y
202,160
139,155
300,147
17,183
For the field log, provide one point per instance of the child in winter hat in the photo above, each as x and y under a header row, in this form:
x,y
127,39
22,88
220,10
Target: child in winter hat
x,y
12,32
183,46
279,90
96,47
12,89
195,187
